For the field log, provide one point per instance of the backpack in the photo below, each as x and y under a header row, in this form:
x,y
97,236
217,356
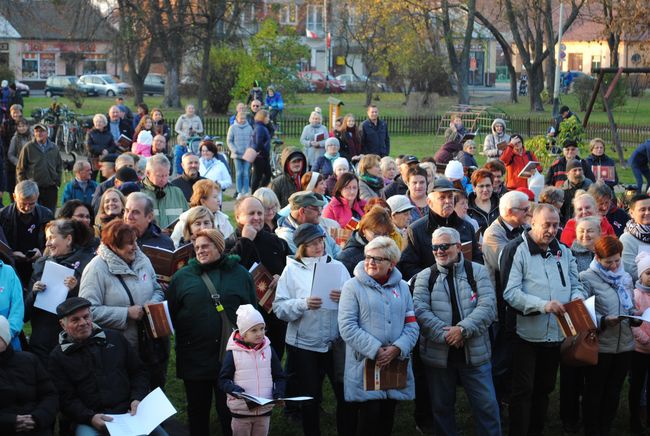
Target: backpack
x,y
469,272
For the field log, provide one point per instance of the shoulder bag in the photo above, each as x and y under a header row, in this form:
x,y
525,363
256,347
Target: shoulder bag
x,y
226,325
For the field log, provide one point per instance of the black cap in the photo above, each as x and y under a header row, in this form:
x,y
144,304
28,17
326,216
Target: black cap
x,y
129,188
564,109
108,158
410,159
126,174
307,232
443,184
71,305
570,143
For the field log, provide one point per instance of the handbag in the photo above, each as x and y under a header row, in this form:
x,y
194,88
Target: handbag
x,y
226,325
250,155
580,350
152,351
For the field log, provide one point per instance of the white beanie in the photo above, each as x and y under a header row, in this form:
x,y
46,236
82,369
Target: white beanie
x,y
454,170
248,317
340,162
642,262
5,331
144,137
4,84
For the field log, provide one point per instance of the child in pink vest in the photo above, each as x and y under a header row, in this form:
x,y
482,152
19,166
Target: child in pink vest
x,y
640,364
142,147
250,366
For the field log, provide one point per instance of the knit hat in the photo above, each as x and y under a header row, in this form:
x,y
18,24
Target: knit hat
x,y
341,162
307,232
573,163
216,237
642,261
145,137
247,318
454,170
5,331
332,141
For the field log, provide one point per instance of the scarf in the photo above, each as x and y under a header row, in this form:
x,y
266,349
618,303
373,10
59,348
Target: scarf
x,y
641,287
639,231
375,183
619,280
332,158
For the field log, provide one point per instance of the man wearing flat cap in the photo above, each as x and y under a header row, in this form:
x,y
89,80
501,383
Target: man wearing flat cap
x,y
576,180
41,162
95,371
398,186
306,207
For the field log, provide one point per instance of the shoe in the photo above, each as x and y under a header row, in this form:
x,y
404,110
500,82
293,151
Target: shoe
x,y
424,428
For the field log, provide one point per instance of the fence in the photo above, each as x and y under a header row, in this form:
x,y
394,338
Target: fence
x,y
630,135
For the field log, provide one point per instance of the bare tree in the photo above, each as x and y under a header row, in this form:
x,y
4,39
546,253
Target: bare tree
x,y
459,61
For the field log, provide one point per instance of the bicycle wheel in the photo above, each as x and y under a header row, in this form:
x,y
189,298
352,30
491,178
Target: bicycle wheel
x,y
59,139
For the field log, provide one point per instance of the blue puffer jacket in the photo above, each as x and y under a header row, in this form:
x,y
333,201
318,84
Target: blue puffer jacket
x,y
371,316
74,191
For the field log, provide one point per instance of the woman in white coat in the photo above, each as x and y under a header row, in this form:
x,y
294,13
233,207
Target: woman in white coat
x,y
212,168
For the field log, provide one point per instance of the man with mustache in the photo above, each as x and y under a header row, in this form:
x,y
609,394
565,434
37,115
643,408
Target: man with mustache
x,y
539,275
575,180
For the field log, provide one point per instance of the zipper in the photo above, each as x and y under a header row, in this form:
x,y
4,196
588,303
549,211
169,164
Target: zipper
x,y
559,268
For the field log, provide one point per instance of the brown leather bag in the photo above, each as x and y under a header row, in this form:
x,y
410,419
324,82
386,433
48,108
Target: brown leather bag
x,y
581,349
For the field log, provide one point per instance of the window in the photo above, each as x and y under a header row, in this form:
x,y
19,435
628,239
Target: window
x,y
94,64
247,15
30,66
595,62
315,18
47,67
288,15
575,61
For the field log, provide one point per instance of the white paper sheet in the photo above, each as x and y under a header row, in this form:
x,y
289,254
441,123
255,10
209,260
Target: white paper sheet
x,y
590,304
263,401
55,291
327,277
152,411
644,317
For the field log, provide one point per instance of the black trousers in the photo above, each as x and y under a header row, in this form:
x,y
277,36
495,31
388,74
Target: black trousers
x,y
603,383
199,401
534,370
261,173
639,372
571,389
422,411
376,417
48,197
306,371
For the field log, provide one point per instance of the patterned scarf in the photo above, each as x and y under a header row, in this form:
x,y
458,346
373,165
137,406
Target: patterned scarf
x,y
375,183
619,280
639,231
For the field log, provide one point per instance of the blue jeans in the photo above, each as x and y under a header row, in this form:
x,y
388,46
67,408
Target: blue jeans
x,y
477,382
179,151
242,176
640,172
87,430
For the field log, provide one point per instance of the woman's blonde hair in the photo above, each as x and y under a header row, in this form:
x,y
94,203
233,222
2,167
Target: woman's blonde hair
x,y
368,161
201,190
193,215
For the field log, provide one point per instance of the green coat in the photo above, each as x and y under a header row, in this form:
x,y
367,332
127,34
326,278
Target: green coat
x,y
196,321
168,207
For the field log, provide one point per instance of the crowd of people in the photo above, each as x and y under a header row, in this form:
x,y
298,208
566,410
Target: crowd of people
x,y
441,272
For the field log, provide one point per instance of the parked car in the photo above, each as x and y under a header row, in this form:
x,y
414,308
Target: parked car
x,y
57,85
104,84
22,88
154,84
358,83
321,82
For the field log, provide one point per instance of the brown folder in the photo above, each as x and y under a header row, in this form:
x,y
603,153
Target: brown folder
x,y
391,376
576,320
159,324
265,294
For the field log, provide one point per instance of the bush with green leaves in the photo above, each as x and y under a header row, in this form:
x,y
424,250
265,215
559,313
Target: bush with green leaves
x,y
7,74
225,66
583,87
618,97
571,130
75,95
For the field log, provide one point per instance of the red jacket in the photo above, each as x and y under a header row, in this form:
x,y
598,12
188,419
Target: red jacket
x,y
514,164
569,231
340,211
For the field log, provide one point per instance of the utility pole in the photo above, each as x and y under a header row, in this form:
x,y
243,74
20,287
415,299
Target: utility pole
x,y
558,64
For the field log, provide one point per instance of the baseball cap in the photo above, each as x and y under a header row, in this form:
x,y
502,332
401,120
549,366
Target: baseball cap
x,y
443,184
304,199
399,203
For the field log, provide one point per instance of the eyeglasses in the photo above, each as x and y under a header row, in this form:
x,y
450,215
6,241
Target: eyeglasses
x,y
441,247
523,209
375,259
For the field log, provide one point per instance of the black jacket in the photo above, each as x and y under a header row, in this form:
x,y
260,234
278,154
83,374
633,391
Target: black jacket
x,y
418,255
352,252
103,187
374,138
186,185
397,187
556,174
484,219
618,218
26,389
126,127
154,237
603,162
45,325
267,249
8,222
99,140
103,374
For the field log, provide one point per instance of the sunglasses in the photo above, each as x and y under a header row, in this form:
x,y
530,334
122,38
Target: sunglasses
x,y
441,247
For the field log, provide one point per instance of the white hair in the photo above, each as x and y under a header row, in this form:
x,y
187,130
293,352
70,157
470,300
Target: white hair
x,y
157,160
100,117
593,220
509,200
26,189
386,245
446,231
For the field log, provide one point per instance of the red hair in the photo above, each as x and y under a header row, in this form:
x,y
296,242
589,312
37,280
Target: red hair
x,y
117,233
608,246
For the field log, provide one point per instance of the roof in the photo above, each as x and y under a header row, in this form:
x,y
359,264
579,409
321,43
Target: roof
x,y
61,20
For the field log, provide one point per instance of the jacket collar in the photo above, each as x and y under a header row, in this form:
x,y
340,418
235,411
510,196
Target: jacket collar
x,y
534,249
362,276
116,265
98,336
436,221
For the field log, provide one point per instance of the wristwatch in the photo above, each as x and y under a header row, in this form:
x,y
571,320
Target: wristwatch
x,y
462,331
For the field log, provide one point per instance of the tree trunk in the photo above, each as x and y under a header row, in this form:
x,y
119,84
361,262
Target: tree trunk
x,y
369,93
550,77
138,90
172,98
514,91
612,42
203,76
463,88
535,87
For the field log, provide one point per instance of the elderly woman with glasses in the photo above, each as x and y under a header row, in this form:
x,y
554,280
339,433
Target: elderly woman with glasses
x,y
377,323
584,205
313,137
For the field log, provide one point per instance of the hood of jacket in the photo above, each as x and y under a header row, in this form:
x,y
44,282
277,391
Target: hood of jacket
x,y
286,156
236,342
362,276
117,265
97,336
498,121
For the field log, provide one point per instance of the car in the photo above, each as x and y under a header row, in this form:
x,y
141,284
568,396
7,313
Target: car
x,y
104,84
22,88
57,85
154,84
321,82
358,83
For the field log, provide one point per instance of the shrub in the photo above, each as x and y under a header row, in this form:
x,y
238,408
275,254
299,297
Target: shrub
x,y
583,87
225,65
75,95
571,129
